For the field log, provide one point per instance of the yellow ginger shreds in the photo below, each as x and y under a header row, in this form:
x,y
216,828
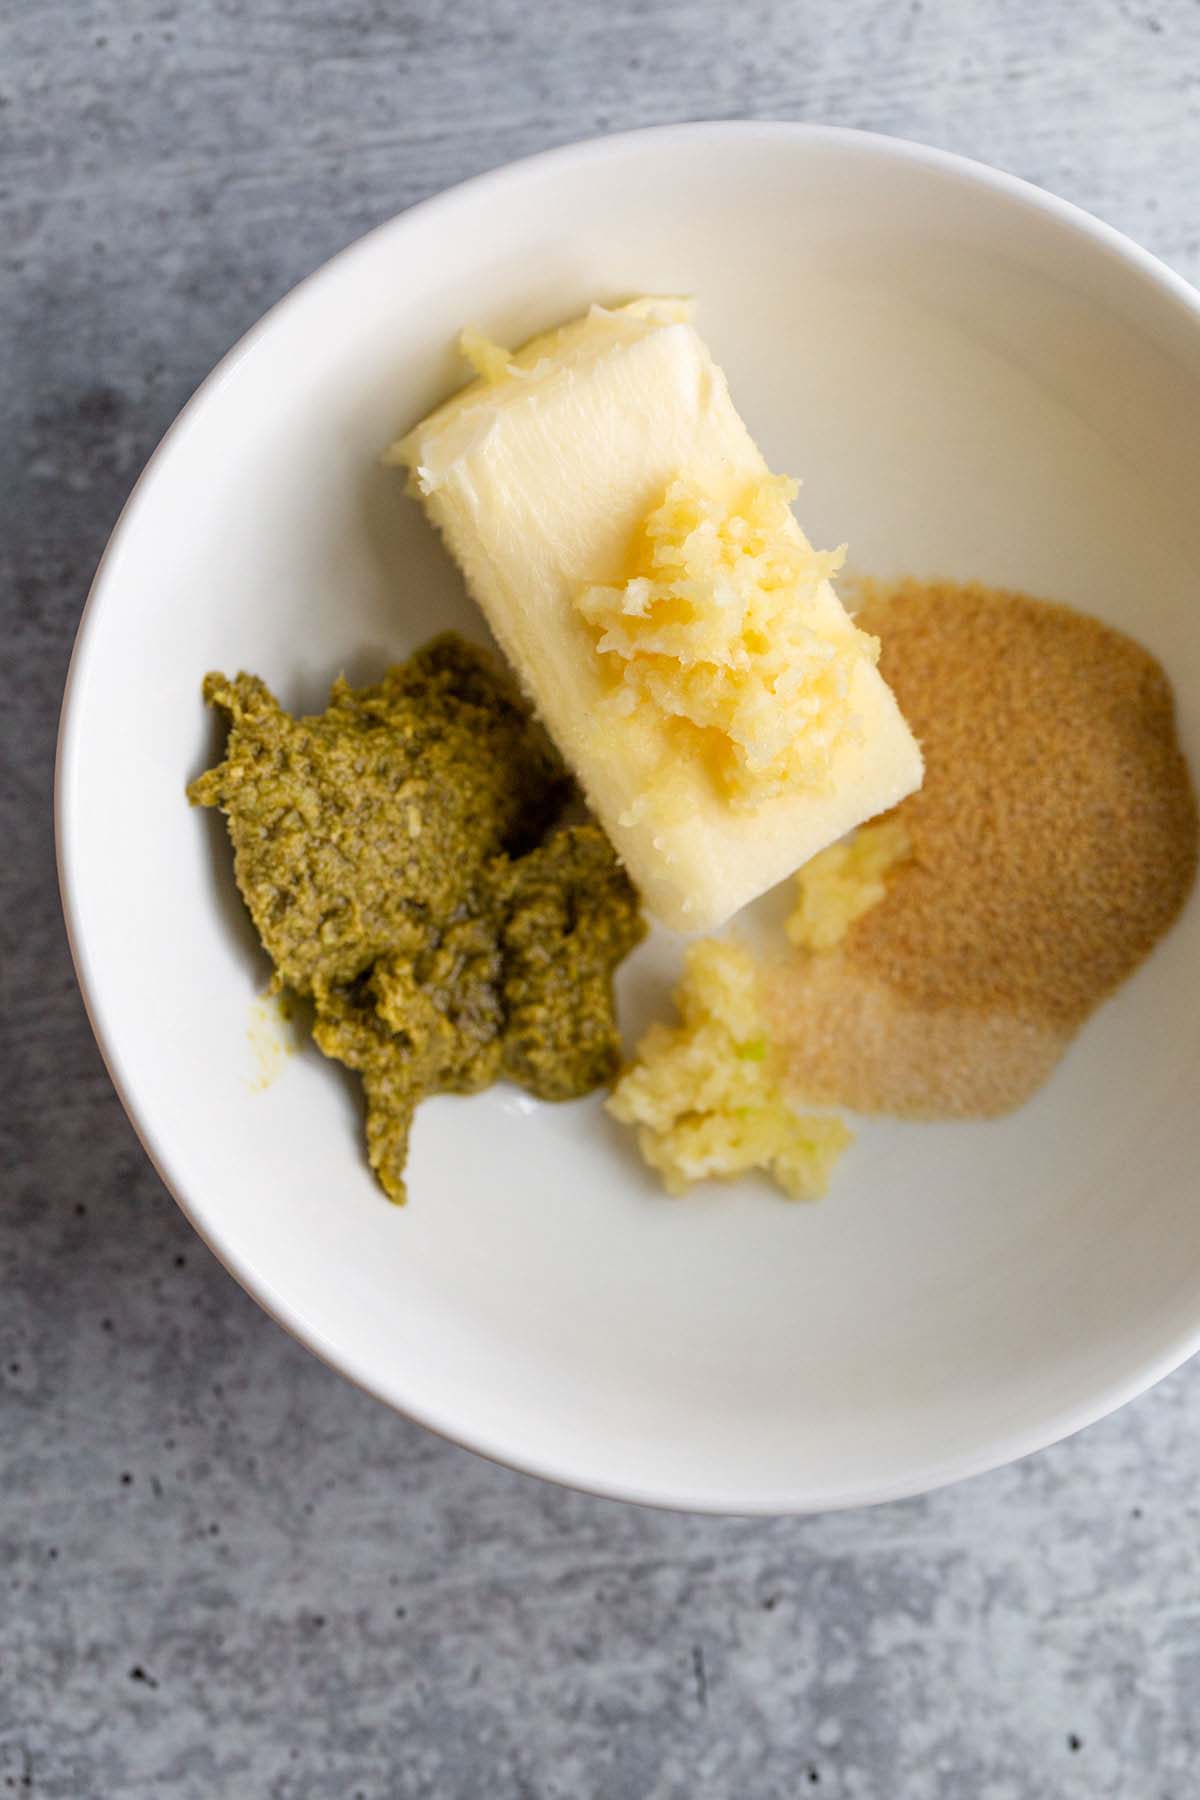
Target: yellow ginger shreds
x,y
842,883
722,624
705,1096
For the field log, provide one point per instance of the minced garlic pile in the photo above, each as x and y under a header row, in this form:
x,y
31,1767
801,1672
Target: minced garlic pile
x,y
704,1093
725,622
842,883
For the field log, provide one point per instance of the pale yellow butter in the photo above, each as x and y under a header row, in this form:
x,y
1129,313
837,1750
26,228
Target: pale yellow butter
x,y
543,476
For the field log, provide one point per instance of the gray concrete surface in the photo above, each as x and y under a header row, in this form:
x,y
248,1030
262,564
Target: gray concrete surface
x,y
222,1571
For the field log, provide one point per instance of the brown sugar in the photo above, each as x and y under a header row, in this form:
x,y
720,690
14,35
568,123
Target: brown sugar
x,y
846,1039
1053,843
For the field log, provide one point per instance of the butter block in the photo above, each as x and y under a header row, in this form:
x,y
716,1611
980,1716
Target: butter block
x,y
542,475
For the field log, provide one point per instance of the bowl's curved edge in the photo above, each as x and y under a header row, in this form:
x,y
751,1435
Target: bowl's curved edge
x,y
725,1502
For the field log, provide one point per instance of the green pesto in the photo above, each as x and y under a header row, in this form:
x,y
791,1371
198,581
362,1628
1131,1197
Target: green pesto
x,y
404,858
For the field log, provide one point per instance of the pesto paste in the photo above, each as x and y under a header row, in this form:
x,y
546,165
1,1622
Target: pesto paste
x,y
405,860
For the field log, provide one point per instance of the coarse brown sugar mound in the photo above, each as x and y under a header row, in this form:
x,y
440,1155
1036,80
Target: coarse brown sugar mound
x,y
1053,843
847,1039
1055,838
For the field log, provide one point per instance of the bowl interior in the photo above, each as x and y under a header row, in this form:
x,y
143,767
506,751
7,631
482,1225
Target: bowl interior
x,y
971,382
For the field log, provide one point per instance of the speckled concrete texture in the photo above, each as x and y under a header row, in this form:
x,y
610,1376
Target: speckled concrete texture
x,y
223,1572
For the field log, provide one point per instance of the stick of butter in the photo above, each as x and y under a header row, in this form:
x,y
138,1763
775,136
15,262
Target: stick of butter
x,y
644,574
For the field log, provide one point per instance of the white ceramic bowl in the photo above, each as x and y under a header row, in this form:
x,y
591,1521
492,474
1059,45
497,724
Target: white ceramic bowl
x,y
973,379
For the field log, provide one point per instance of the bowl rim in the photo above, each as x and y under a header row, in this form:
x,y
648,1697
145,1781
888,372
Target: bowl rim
x,y
734,1500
